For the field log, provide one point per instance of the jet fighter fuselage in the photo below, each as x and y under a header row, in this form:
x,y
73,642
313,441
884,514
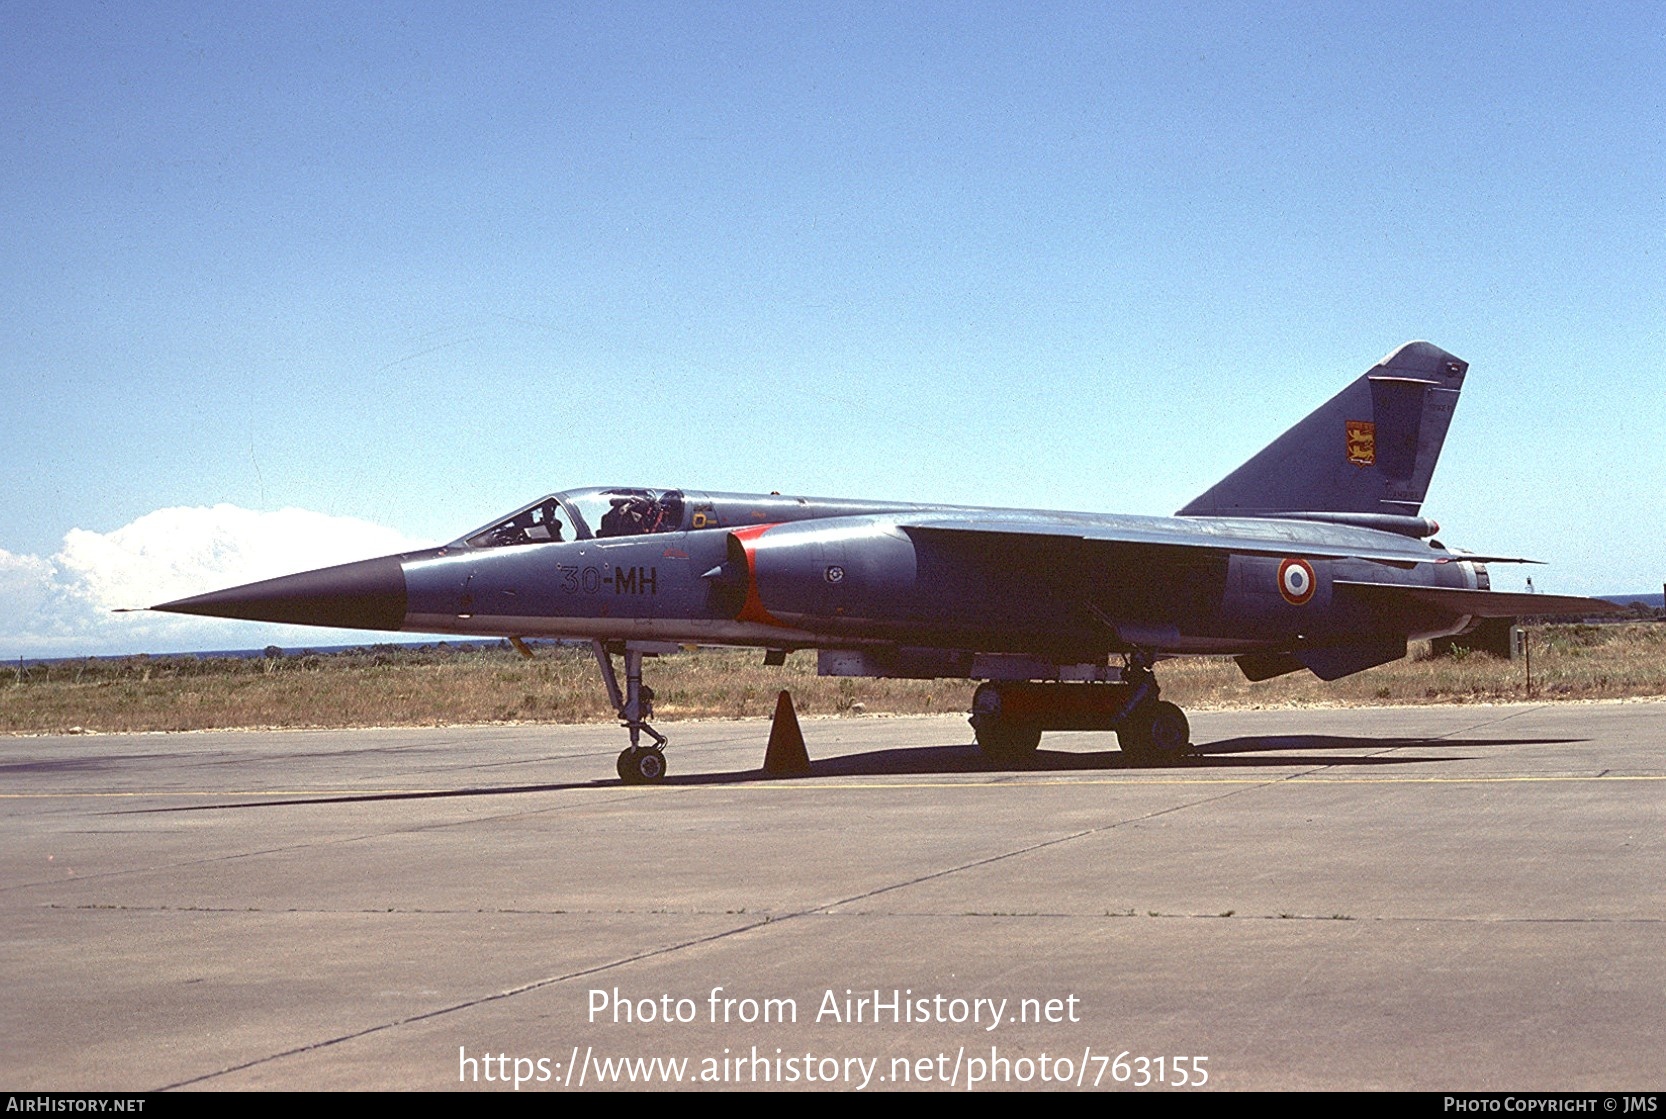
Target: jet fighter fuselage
x,y
1314,554
787,572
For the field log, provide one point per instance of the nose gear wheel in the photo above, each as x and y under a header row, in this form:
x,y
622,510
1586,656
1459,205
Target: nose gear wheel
x,y
641,765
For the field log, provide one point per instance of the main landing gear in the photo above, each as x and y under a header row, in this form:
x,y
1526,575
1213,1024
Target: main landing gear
x,y
638,764
1009,717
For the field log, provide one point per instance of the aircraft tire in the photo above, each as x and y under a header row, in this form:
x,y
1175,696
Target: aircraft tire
x,y
1156,734
641,766
1008,741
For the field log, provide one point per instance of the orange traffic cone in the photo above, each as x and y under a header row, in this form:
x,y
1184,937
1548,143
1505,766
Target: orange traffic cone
x,y
786,752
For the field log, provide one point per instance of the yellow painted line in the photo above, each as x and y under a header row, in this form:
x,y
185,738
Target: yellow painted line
x,y
779,785
238,793
1271,781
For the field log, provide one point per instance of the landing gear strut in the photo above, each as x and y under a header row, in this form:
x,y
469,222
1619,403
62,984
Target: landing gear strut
x,y
1009,717
1151,731
638,764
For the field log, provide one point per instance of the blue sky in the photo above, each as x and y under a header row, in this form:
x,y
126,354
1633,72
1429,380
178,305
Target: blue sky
x,y
294,285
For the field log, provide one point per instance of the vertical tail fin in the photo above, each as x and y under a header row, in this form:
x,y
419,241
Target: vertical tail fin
x,y
1371,448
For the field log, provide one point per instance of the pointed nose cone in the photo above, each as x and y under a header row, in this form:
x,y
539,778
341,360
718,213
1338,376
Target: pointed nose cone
x,y
369,594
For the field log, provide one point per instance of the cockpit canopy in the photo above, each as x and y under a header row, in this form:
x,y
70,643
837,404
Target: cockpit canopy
x,y
586,514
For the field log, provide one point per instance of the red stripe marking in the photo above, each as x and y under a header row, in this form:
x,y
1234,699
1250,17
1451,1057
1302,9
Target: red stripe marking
x,y
752,610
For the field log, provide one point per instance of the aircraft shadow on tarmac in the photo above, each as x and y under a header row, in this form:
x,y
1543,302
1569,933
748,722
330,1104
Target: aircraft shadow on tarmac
x,y
1228,753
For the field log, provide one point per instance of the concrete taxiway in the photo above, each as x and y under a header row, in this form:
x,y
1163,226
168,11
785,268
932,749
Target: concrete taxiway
x,y
1417,898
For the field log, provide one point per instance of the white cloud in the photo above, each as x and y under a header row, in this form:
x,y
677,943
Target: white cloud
x,y
32,613
25,582
172,553
62,606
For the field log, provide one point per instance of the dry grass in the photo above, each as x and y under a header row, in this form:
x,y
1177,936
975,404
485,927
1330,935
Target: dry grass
x,y
436,686
443,685
1569,662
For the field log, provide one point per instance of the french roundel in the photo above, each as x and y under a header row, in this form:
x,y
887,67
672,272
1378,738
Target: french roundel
x,y
1295,581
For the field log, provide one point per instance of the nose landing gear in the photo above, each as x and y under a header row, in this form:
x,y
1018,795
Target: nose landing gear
x,y
638,764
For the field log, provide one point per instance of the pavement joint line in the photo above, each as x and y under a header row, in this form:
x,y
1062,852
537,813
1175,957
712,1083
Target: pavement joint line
x,y
1338,918
1307,777
1033,847
324,842
79,879
467,1004
911,914
819,910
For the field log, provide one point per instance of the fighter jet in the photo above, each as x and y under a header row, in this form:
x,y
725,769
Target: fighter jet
x,y
1312,555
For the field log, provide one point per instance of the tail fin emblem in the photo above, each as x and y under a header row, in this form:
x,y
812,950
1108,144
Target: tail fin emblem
x,y
1362,442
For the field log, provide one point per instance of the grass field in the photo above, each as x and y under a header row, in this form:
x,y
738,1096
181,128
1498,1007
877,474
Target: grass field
x,y
439,685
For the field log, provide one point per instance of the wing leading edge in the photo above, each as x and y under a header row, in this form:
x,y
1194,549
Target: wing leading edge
x,y
1482,604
